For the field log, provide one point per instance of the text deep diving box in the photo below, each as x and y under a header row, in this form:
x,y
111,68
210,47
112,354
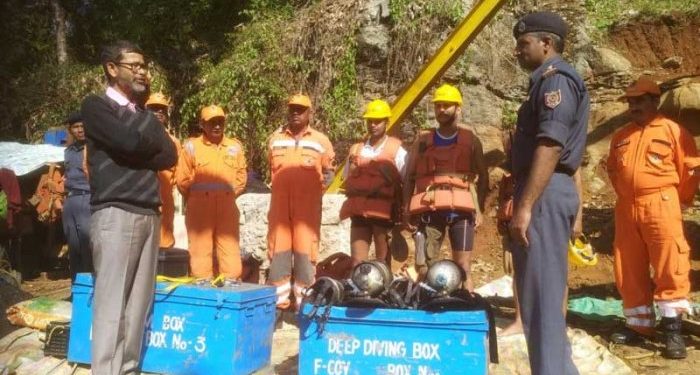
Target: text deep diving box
x,y
361,341
193,330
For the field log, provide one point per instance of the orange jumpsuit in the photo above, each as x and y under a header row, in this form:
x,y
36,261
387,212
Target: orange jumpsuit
x,y
166,178
211,176
298,168
647,167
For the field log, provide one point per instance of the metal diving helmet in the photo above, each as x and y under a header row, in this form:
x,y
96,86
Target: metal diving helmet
x,y
445,276
371,277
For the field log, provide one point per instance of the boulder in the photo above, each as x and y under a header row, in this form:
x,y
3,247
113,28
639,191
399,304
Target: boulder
x,y
335,234
605,61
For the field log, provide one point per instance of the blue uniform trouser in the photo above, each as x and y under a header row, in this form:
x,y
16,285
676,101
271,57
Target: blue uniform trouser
x,y
76,227
541,274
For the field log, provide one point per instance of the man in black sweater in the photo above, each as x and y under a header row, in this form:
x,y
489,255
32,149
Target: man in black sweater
x,y
126,147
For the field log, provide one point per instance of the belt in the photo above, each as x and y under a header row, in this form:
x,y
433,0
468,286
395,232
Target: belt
x,y
212,186
75,193
563,169
559,169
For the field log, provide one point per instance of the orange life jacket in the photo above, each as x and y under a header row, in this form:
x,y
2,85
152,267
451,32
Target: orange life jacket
x,y
444,175
372,183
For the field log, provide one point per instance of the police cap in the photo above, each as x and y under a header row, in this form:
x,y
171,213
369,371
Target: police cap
x,y
540,22
73,118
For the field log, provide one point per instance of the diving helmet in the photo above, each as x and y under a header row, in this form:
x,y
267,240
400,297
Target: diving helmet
x,y
371,277
445,276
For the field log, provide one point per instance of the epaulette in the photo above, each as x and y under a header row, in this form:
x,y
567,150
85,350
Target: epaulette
x,y
550,71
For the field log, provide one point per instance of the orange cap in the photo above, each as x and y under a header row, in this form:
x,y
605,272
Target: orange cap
x,y
642,86
209,112
158,98
300,99
692,162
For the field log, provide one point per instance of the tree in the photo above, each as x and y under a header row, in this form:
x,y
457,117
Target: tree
x,y
59,21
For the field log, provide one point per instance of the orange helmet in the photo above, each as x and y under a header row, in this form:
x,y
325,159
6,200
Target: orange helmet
x,y
642,86
158,98
300,99
209,112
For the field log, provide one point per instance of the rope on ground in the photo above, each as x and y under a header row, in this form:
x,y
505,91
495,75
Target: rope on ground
x,y
15,340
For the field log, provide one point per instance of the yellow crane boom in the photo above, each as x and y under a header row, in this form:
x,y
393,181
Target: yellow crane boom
x,y
451,49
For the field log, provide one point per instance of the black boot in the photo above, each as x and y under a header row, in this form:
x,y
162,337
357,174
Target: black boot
x,y
675,346
626,336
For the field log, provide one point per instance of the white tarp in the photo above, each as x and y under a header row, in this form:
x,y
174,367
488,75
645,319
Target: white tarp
x,y
23,158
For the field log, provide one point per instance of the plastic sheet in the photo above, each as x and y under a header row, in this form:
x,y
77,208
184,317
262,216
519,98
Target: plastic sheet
x,y
39,312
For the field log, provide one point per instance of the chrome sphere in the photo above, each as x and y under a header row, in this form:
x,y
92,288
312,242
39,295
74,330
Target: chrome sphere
x,y
371,277
444,276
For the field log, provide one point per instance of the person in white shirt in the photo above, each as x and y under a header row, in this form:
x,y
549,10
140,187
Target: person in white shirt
x,y
373,186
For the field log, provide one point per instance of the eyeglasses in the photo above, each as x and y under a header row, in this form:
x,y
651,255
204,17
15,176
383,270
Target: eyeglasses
x,y
135,67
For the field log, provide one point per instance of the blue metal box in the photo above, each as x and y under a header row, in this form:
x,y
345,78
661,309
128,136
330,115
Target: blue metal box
x,y
56,136
193,330
360,341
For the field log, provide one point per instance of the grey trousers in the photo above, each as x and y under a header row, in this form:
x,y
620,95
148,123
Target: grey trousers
x,y
541,274
76,227
125,251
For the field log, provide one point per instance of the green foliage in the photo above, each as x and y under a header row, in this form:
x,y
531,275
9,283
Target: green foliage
x,y
448,12
248,84
398,10
416,25
27,39
44,97
605,13
339,104
509,115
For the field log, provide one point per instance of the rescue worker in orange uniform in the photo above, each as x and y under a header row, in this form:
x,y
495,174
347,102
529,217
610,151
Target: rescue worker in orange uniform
x,y
211,173
301,163
445,173
373,185
648,168
159,104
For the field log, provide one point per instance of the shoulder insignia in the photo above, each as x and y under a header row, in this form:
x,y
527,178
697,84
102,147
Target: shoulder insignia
x,y
552,99
232,150
550,71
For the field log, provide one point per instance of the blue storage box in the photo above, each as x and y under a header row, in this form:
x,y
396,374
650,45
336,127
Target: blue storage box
x,y
194,330
56,137
361,341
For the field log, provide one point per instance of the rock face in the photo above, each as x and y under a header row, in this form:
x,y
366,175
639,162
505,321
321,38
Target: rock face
x,y
605,61
335,234
373,36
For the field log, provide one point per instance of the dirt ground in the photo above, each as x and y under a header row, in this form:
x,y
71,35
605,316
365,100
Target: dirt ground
x,y
598,281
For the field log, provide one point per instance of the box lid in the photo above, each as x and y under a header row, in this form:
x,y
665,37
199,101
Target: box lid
x,y
476,319
244,292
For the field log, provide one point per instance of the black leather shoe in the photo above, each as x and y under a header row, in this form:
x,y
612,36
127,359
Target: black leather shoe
x,y
673,340
626,336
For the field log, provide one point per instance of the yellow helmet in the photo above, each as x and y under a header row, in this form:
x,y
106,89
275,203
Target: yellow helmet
x,y
158,98
377,109
581,252
447,94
